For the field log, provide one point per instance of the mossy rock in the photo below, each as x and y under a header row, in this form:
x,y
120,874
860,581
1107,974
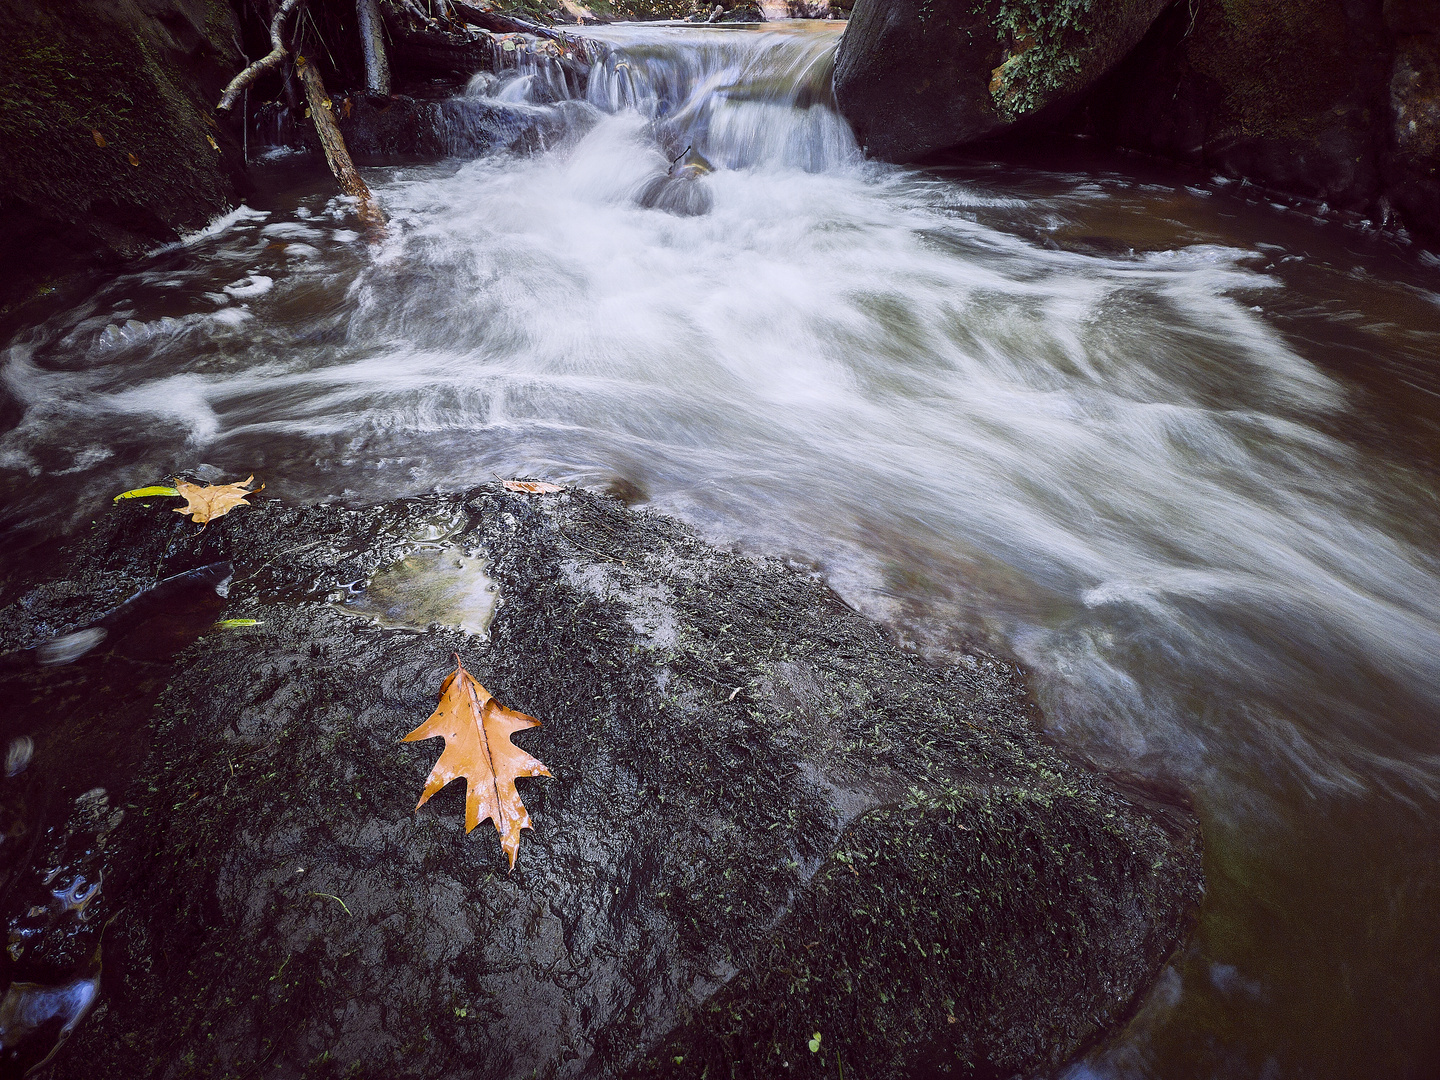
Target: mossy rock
x,y
917,76
766,820
1294,95
141,78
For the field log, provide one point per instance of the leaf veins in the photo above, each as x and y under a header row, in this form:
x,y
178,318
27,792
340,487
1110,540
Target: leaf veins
x,y
204,502
477,731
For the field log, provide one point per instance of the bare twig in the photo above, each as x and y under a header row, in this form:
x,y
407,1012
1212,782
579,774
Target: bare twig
x,y
586,547
271,59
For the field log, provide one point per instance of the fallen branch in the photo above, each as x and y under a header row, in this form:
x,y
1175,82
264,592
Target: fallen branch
x,y
333,143
271,59
503,24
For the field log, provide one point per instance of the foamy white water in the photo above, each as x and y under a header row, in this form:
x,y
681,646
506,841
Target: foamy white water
x,y
1131,434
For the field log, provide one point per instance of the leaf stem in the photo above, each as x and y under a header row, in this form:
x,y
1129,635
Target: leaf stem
x,y
332,896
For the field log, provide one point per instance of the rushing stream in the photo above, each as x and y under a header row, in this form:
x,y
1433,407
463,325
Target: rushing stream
x,y
1176,449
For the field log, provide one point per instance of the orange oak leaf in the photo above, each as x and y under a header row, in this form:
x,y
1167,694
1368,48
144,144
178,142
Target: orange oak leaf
x,y
206,501
532,487
477,731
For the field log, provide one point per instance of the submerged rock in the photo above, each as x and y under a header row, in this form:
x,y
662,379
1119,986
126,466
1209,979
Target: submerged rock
x,y
680,190
766,820
913,78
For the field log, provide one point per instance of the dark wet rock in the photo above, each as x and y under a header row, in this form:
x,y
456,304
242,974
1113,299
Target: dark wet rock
x,y
914,78
681,196
742,13
78,709
441,52
405,129
765,820
1312,97
681,189
145,76
1414,164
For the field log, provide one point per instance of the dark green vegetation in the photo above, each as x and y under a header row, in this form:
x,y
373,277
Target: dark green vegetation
x,y
766,820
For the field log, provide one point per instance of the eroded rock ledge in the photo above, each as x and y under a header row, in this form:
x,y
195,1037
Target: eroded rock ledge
x,y
765,820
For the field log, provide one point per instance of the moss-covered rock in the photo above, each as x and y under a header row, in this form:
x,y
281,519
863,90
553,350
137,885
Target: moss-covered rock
x,y
141,76
917,76
766,820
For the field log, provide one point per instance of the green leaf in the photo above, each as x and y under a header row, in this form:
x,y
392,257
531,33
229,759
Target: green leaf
x,y
814,1043
145,492
231,624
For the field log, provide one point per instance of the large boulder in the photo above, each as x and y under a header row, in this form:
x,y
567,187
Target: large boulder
x,y
1334,100
106,119
765,820
917,76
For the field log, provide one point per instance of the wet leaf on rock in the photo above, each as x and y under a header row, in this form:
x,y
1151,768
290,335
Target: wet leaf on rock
x,y
477,731
532,487
204,502
145,492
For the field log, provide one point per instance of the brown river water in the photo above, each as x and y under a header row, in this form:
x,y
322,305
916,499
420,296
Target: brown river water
x,y
1172,445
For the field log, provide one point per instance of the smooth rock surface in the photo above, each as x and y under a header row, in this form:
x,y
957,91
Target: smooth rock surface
x,y
765,820
916,76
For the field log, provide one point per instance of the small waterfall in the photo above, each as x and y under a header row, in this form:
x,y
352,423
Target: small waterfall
x,y
733,97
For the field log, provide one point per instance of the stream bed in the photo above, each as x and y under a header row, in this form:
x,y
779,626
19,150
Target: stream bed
x,y
1174,447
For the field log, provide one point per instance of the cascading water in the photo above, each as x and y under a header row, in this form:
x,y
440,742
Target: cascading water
x,y
1174,449
742,99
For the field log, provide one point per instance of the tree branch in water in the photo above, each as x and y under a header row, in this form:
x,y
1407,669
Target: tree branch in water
x,y
277,53
333,143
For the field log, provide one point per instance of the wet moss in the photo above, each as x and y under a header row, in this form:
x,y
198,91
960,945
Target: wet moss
x,y
1041,58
